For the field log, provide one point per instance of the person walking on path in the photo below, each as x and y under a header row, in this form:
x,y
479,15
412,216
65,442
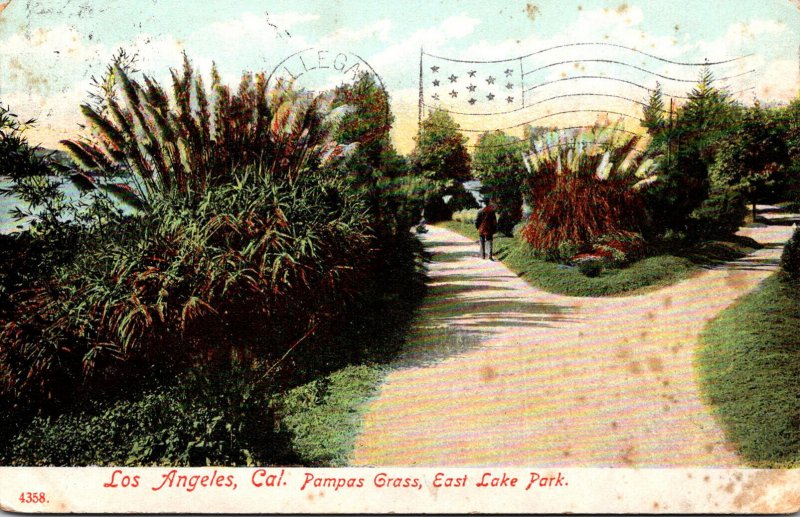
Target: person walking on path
x,y
486,223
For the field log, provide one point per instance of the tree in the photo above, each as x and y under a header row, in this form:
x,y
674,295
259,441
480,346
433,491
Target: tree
x,y
441,155
701,125
753,158
34,186
367,122
653,113
375,168
500,166
792,120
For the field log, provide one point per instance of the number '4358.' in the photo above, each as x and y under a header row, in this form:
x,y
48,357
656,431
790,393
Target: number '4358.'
x,y
32,497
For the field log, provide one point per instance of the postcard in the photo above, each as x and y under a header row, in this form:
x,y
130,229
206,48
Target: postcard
x,y
368,257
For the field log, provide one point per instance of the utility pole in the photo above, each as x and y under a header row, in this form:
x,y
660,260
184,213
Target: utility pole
x,y
419,115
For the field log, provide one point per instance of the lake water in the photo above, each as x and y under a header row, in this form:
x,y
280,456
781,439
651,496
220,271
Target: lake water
x,y
7,204
9,225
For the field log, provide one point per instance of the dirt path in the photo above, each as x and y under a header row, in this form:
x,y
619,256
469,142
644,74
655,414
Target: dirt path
x,y
501,373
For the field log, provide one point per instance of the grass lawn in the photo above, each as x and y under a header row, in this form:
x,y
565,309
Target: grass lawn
x,y
749,363
649,273
324,416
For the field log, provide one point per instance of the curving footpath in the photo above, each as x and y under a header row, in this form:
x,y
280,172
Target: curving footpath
x,y
501,373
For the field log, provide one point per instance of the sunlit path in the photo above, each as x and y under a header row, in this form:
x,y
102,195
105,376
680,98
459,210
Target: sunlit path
x,y
501,373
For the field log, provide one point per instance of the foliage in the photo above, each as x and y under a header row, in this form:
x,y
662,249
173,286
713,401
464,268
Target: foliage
x,y
36,187
653,114
583,188
461,199
440,155
323,416
19,158
246,245
605,252
792,121
750,373
466,216
499,165
753,157
242,231
144,147
590,267
230,413
718,216
375,169
440,151
235,272
665,268
790,258
692,142
207,417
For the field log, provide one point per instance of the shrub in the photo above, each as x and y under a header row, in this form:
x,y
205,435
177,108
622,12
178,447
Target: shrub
x,y
466,216
159,149
584,187
686,150
590,266
245,245
754,158
461,200
208,417
719,216
436,209
236,272
376,171
239,232
790,258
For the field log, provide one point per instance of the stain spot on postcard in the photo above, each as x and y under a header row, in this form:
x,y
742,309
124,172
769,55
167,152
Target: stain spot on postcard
x,y
532,10
627,455
655,364
635,367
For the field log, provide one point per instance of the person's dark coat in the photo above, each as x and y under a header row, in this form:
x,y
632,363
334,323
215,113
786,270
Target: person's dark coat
x,y
486,222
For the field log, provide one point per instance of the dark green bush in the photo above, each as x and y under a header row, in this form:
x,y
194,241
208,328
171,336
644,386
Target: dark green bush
x,y
590,267
719,216
461,200
437,210
790,258
208,417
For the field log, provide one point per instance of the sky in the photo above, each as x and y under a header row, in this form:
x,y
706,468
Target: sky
x,y
52,48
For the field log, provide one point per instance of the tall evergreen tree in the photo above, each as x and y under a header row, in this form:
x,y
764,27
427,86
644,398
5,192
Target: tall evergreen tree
x,y
653,112
701,125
